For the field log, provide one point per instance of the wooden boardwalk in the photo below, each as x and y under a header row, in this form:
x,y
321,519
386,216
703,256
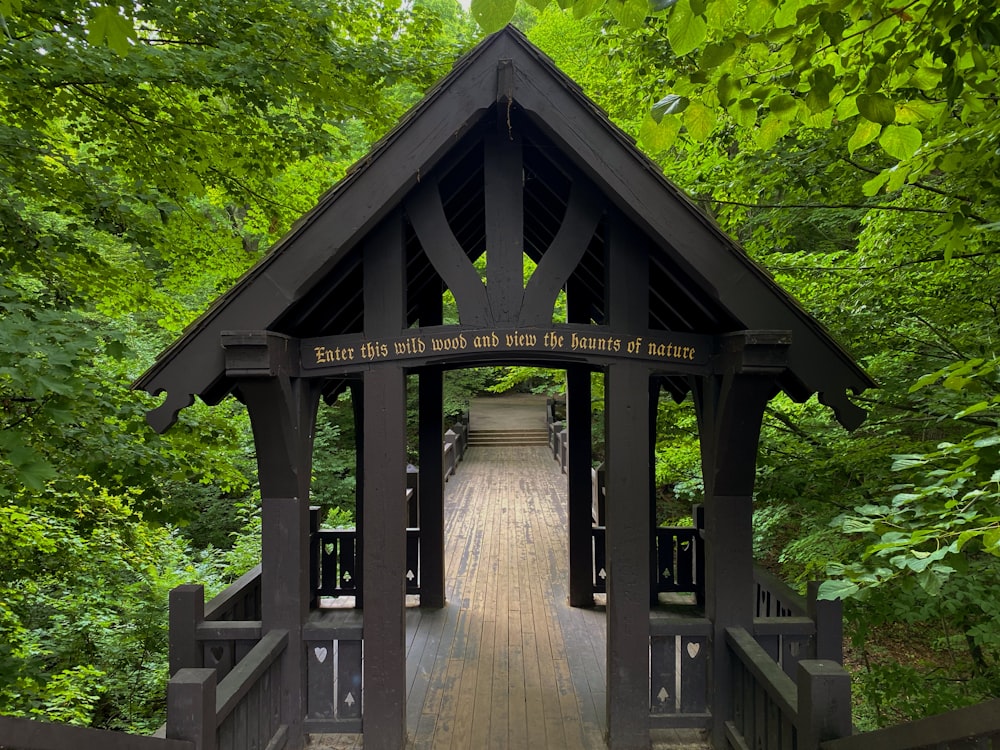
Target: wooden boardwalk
x,y
507,663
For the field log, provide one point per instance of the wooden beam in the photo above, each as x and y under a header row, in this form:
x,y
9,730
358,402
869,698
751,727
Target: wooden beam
x,y
627,392
503,169
385,559
562,256
426,214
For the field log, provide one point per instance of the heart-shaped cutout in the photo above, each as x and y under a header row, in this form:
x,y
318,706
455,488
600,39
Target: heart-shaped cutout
x,y
693,649
321,653
217,652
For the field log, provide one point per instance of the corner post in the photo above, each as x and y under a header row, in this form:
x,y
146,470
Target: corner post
x,y
824,692
191,708
282,408
186,611
730,407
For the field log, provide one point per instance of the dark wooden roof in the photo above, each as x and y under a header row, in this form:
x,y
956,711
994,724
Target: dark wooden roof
x,y
310,283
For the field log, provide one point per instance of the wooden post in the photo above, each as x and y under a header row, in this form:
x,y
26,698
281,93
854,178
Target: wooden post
x,y
431,404
829,619
282,410
824,703
187,609
654,567
627,390
628,508
581,586
358,410
729,408
385,560
384,496
191,707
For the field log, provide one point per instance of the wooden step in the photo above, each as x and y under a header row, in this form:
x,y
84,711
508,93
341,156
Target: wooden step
x,y
538,436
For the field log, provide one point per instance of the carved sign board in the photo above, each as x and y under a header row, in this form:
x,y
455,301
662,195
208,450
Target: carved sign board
x,y
441,345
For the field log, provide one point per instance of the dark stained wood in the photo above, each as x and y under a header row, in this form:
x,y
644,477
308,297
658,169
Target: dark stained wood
x,y
426,214
944,730
431,404
582,216
40,735
627,393
579,416
504,175
384,559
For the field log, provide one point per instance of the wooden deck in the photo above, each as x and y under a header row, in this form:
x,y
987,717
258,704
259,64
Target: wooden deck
x,y
507,663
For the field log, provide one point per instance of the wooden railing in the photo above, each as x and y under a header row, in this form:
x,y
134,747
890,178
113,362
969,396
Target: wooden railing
x,y
28,734
242,711
678,674
966,728
680,560
791,627
335,566
770,710
217,634
333,643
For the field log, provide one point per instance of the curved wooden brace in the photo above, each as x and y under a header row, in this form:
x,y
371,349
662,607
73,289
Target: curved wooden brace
x,y
564,254
426,213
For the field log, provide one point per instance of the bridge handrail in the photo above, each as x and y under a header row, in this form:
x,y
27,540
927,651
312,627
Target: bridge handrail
x,y
241,595
964,726
31,734
796,713
207,714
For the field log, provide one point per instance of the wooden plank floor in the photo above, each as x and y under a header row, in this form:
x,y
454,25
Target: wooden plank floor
x,y
507,663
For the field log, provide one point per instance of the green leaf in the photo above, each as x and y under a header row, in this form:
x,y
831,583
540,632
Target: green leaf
x,y
783,106
991,542
492,15
629,13
876,183
837,589
758,14
877,108
671,104
699,120
685,30
771,131
866,132
715,54
744,112
583,8
108,26
900,141
659,135
538,4
917,110
981,406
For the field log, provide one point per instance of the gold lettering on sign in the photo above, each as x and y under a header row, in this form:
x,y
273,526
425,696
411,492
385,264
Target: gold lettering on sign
x,y
371,350
420,344
671,350
326,356
595,343
449,343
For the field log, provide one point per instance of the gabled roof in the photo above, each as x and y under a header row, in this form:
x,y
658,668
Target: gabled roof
x,y
700,279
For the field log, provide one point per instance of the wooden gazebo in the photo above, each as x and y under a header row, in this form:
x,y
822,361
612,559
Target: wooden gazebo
x,y
505,156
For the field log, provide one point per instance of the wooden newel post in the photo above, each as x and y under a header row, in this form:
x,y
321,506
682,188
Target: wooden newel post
x,y
829,618
191,707
187,610
824,703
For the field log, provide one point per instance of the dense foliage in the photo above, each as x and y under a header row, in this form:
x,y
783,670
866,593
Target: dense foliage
x,y
150,153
